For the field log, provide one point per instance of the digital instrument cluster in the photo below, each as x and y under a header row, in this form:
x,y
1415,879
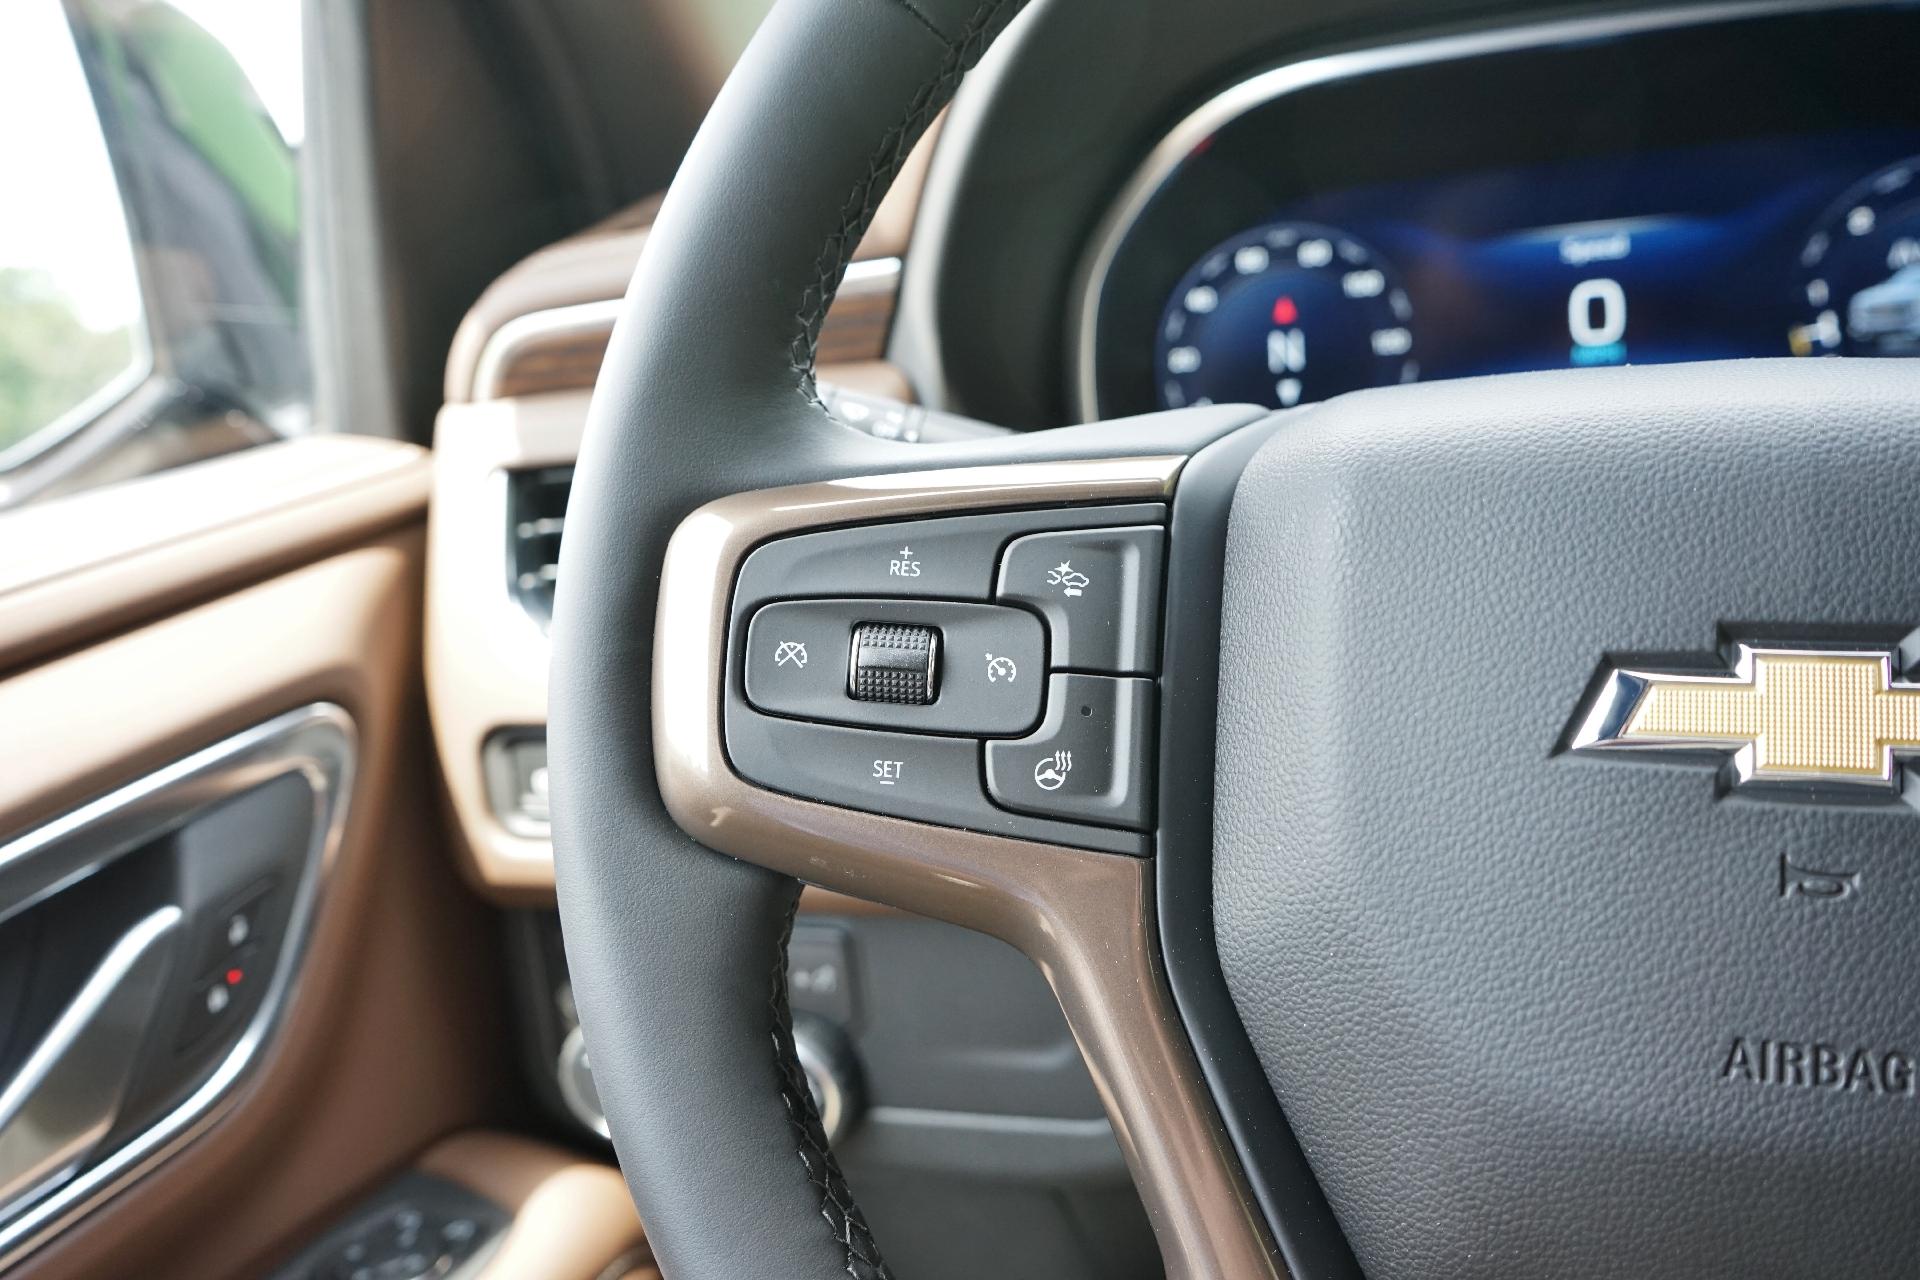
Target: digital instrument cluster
x,y
1664,257
1674,193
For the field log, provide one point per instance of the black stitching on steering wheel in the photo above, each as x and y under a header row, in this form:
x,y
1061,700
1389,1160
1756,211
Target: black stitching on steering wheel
x,y
888,156
849,1226
913,10
843,1216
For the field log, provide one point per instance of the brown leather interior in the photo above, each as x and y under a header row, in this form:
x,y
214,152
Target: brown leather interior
x,y
572,1218
142,621
392,1037
594,267
486,662
97,561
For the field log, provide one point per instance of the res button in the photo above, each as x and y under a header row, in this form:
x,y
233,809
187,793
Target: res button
x,y
949,558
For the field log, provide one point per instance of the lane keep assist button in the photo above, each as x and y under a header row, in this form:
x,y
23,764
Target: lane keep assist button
x,y
1089,760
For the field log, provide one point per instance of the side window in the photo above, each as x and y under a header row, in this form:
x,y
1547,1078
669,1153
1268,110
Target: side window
x,y
72,337
150,310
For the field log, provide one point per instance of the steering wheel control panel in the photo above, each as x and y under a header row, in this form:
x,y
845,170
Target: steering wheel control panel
x,y
989,672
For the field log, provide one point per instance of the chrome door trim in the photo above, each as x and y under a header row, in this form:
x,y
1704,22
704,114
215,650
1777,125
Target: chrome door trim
x,y
318,743
66,1096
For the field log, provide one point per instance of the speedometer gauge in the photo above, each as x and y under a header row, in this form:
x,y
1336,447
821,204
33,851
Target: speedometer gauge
x,y
1281,315
1860,271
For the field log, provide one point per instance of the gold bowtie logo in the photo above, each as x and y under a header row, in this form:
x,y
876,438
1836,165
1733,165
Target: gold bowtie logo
x,y
1787,715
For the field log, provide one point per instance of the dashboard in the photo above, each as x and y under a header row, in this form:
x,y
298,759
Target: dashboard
x,y
1635,189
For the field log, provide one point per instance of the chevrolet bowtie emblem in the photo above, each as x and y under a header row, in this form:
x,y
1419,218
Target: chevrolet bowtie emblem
x,y
1786,715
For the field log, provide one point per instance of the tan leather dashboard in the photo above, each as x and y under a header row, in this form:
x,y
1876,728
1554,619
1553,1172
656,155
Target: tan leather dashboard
x,y
486,658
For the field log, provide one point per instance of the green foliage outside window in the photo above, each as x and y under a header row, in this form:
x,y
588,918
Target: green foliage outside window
x,y
49,361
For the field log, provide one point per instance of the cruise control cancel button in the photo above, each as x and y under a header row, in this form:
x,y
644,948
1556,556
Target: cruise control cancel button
x,y
990,664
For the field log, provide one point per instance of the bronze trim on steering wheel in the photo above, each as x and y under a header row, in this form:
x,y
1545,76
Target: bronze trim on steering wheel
x,y
1085,918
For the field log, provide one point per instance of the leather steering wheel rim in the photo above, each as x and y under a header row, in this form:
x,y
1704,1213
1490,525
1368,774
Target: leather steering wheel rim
x,y
707,390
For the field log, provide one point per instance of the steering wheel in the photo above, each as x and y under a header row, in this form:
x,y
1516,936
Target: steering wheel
x,y
1352,827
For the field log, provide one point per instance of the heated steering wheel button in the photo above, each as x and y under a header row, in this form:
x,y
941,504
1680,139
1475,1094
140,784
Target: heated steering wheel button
x,y
920,777
1089,760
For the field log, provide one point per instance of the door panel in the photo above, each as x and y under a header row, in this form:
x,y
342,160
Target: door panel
x,y
72,569
387,1041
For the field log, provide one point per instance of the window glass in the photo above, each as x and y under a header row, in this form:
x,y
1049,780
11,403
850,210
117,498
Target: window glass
x,y
71,330
150,278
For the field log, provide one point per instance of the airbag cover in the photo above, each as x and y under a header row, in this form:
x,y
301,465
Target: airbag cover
x,y
1497,986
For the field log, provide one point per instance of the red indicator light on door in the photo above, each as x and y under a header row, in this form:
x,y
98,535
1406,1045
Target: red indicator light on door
x,y
1284,311
234,976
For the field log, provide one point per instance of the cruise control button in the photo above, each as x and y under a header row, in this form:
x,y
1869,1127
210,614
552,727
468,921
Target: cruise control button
x,y
991,664
1099,590
1089,761
894,662
901,775
907,775
951,557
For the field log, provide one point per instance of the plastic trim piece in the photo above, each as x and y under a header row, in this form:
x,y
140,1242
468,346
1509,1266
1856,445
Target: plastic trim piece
x,y
317,743
1310,1239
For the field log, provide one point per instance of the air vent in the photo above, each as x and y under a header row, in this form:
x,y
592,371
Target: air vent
x,y
536,514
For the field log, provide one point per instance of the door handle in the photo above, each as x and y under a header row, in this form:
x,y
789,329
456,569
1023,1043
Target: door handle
x,y
67,1094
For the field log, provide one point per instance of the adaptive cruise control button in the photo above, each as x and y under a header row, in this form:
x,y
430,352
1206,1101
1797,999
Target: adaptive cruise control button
x,y
1099,590
1090,759
949,558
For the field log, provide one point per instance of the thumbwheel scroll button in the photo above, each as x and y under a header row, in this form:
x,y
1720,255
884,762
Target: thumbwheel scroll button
x,y
894,663
919,666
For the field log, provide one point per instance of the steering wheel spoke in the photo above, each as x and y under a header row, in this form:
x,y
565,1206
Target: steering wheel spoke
x,y
765,751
